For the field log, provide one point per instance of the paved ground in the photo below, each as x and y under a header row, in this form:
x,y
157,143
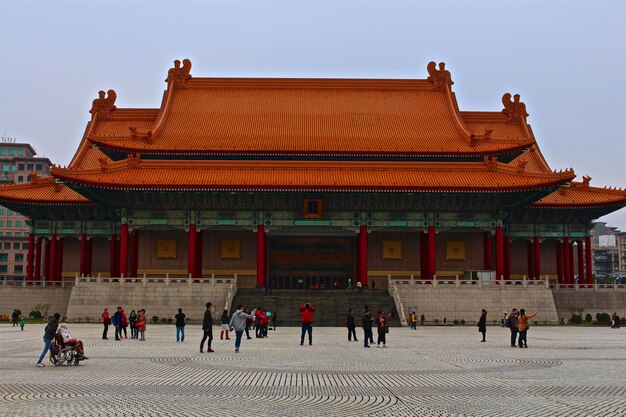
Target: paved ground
x,y
430,372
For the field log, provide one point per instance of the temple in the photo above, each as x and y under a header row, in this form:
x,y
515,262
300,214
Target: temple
x,y
290,183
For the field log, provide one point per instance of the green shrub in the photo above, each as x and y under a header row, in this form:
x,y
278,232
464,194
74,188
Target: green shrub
x,y
462,321
603,318
170,320
155,319
588,318
576,318
35,314
163,320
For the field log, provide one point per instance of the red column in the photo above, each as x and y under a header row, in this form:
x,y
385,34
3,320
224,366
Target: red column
x,y
423,256
191,250
30,258
581,263
53,257
507,257
487,259
134,253
83,254
571,263
46,261
588,260
432,252
530,254
59,261
537,245
260,256
559,262
37,276
566,263
362,251
499,253
89,257
113,256
124,249
198,265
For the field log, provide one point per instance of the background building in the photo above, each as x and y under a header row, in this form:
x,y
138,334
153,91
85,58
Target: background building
x,y
604,240
17,161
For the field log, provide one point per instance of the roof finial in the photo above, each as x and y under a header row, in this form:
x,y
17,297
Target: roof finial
x,y
515,111
104,104
179,75
439,77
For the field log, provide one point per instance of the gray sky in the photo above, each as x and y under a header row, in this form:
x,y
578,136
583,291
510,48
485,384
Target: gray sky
x,y
567,59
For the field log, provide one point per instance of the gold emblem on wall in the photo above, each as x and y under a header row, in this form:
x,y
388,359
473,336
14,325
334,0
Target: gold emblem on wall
x,y
455,250
166,249
230,249
392,249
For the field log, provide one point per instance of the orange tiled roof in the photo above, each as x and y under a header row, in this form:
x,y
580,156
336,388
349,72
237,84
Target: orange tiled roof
x,y
580,195
134,173
311,116
41,191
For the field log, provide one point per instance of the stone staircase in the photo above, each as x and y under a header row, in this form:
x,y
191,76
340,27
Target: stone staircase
x,y
331,306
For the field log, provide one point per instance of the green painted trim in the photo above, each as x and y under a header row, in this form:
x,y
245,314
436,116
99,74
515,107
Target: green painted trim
x,y
227,222
312,223
158,221
398,223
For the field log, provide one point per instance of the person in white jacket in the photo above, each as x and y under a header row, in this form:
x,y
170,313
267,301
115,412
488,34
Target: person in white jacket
x,y
238,324
68,340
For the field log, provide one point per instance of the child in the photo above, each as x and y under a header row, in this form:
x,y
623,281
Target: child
x,y
22,322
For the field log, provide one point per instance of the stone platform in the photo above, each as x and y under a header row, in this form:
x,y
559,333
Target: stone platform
x,y
434,371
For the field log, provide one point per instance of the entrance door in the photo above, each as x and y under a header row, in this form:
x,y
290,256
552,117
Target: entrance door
x,y
296,262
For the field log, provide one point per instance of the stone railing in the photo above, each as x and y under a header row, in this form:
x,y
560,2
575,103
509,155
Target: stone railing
x,y
458,282
393,292
165,279
232,292
22,282
595,287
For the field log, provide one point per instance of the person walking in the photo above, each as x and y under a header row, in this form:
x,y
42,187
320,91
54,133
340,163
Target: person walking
x,y
306,315
383,327
351,326
117,322
422,319
48,336
124,325
180,325
413,320
513,327
366,323
207,328
22,322
522,323
132,321
249,322
225,325
106,321
482,323
141,325
238,324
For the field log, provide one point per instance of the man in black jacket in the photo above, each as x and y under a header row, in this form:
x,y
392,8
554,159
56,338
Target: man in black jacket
x,y
351,326
48,336
367,321
207,326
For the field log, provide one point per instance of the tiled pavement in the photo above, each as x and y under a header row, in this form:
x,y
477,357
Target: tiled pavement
x,y
434,371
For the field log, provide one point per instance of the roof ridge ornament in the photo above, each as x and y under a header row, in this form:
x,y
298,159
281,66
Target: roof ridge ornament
x,y
476,139
586,181
515,110
104,163
521,165
179,75
133,160
146,136
103,105
439,77
491,163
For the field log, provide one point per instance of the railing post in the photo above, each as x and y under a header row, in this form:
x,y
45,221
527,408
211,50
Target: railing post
x,y
524,282
595,286
24,283
99,279
167,279
547,282
614,285
62,281
434,280
212,280
76,280
457,284
412,280
144,280
43,283
189,280
576,286
121,280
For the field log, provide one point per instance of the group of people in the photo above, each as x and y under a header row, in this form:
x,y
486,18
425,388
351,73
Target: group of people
x,y
517,322
135,320
368,321
615,319
18,319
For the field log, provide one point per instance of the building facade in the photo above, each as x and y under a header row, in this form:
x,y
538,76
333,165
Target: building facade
x,y
295,182
18,161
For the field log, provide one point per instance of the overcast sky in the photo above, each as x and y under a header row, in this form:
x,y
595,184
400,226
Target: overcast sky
x,y
567,59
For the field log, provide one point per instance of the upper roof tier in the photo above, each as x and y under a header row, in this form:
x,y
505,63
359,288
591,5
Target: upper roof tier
x,y
257,116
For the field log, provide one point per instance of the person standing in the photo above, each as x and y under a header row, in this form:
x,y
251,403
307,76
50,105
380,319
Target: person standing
x,y
413,320
482,323
180,325
48,336
106,321
513,326
22,322
132,321
274,320
366,322
238,324
351,326
141,325
373,285
207,328
422,319
249,322
117,322
306,315
124,325
14,317
383,327
225,325
522,323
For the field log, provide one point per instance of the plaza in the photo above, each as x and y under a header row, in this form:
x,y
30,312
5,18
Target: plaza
x,y
434,371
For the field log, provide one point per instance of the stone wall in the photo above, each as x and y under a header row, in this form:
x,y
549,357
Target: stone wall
x,y
88,299
588,301
466,301
26,298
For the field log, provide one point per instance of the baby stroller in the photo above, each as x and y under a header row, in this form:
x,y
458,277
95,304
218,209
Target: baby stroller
x,y
65,354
